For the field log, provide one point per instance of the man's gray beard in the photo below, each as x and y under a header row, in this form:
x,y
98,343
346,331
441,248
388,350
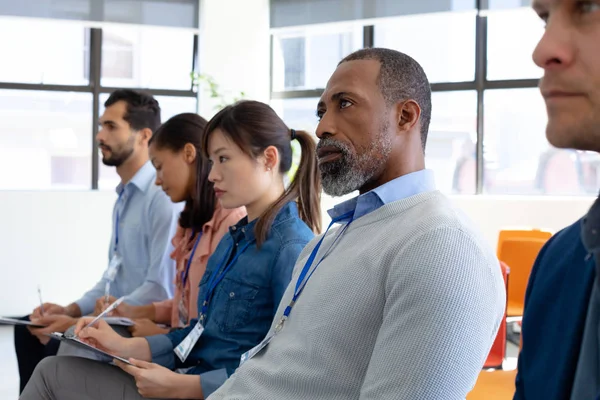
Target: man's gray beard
x,y
353,171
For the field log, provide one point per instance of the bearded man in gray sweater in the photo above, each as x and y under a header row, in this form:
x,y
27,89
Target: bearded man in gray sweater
x,y
402,299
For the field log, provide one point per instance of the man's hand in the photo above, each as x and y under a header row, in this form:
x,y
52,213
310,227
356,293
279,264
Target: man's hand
x,y
145,327
155,381
54,323
49,309
102,304
101,336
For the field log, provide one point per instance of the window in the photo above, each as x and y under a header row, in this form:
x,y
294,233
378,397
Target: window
x,y
46,52
452,141
170,106
147,57
305,59
48,91
510,50
299,114
518,157
445,49
45,139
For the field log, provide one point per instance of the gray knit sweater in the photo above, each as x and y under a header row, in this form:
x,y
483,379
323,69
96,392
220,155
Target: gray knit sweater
x,y
406,306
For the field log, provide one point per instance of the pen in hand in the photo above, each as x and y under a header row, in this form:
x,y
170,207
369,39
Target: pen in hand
x,y
107,292
41,302
108,309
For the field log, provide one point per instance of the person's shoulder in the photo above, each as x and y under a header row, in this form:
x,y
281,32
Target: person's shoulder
x,y
291,229
156,198
563,249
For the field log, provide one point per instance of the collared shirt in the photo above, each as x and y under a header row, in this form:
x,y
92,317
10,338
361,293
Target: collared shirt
x,y
147,219
243,303
396,189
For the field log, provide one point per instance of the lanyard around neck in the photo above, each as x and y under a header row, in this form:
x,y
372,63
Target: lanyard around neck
x,y
308,271
216,278
186,271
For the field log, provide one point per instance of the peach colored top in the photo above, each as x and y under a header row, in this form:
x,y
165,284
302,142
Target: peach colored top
x,y
167,311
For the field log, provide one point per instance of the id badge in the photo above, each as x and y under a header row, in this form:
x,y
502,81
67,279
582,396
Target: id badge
x,y
113,267
183,313
184,348
256,349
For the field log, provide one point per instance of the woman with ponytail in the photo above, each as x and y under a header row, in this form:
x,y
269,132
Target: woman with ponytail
x,y
249,149
182,172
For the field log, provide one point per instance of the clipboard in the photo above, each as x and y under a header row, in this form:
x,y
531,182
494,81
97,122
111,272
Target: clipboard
x,y
12,321
118,321
74,340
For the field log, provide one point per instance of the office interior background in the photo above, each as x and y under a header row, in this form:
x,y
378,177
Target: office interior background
x,y
61,59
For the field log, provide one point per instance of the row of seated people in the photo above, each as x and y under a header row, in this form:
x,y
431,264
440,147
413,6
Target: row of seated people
x,y
232,294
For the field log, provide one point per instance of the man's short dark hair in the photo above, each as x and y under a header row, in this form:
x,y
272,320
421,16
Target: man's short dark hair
x,y
400,78
143,110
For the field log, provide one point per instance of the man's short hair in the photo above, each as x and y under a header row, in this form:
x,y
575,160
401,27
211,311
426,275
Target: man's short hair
x,y
400,78
143,110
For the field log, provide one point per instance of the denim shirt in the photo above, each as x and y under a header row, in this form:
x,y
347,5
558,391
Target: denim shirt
x,y
243,303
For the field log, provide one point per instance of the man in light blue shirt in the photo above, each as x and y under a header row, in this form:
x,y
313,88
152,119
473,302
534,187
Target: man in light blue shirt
x,y
144,220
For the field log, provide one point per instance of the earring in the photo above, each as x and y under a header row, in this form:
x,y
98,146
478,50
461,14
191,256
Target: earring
x,y
268,168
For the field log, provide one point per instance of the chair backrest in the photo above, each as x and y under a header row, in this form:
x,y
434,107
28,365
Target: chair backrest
x,y
506,234
520,253
498,350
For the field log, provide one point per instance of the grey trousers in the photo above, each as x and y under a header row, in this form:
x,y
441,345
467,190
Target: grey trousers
x,y
75,378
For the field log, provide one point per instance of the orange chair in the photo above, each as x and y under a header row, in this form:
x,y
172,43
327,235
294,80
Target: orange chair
x,y
519,249
498,350
494,385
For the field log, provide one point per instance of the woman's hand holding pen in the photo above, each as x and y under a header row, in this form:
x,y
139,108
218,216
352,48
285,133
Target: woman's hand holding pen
x,y
101,336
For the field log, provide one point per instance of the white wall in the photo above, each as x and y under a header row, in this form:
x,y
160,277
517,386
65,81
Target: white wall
x,y
235,48
58,240
493,213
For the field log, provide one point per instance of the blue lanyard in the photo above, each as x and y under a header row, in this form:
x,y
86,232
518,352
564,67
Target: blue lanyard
x,y
301,282
215,280
186,271
117,219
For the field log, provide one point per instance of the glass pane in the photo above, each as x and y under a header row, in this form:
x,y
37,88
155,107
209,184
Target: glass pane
x,y
169,106
519,159
305,59
43,52
506,4
154,58
45,140
452,140
445,50
299,114
510,50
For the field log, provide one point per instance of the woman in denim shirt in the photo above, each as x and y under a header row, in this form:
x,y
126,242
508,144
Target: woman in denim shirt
x,y
249,147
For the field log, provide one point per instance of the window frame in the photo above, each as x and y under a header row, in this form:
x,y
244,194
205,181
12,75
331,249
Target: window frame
x,y
96,89
479,84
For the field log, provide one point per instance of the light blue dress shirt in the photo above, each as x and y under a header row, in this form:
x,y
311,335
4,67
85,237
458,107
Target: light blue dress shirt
x,y
397,189
147,222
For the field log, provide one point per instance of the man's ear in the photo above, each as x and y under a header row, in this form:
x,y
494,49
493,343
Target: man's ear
x,y
408,115
145,135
